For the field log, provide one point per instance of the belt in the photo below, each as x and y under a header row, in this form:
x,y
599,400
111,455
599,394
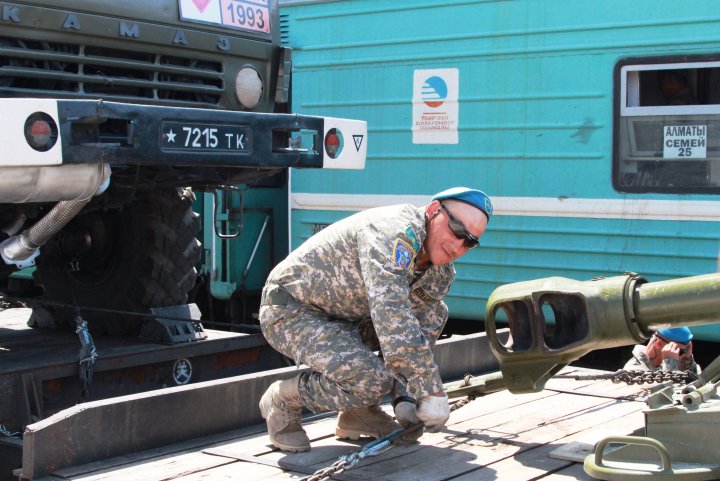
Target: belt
x,y
274,296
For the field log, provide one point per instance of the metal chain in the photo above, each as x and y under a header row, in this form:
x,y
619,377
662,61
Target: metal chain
x,y
348,461
463,402
630,377
636,376
325,473
467,379
4,431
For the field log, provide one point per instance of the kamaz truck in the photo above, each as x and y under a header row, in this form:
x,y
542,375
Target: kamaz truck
x,y
114,115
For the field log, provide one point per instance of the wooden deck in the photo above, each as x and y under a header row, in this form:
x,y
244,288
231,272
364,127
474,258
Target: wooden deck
x,y
497,437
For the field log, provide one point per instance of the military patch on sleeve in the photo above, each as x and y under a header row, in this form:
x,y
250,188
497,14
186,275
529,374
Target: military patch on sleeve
x,y
403,253
411,234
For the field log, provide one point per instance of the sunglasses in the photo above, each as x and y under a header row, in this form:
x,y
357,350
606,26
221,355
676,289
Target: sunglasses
x,y
460,231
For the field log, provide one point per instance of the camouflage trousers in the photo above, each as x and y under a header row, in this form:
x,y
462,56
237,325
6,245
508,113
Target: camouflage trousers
x,y
345,372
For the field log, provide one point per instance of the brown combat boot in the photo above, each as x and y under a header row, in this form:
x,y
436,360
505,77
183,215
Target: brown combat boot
x,y
282,409
368,421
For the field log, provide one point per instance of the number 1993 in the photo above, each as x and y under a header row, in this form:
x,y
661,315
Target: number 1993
x,y
244,15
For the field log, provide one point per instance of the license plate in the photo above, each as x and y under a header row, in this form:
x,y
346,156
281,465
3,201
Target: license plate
x,y
190,136
243,14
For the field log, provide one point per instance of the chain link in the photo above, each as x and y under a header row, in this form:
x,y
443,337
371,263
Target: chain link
x,y
636,376
630,377
325,473
462,402
347,461
4,432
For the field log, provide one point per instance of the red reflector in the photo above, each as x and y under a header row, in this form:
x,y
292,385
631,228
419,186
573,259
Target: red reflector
x,y
40,128
332,140
332,143
41,131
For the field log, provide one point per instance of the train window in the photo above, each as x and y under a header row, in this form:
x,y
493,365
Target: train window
x,y
667,125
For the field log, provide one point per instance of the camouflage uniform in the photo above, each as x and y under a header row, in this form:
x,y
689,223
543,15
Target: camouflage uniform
x,y
640,360
350,289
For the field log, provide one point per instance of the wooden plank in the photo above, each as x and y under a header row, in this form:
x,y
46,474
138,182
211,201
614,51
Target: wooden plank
x,y
165,467
487,439
238,471
526,465
148,456
323,454
318,428
574,472
539,461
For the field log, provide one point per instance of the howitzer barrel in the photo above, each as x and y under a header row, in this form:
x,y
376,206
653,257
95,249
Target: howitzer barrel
x,y
688,301
555,321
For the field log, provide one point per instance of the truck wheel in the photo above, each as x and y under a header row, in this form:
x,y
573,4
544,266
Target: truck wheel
x,y
138,256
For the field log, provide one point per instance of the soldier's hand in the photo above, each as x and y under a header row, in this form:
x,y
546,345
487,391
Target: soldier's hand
x,y
433,411
673,350
406,415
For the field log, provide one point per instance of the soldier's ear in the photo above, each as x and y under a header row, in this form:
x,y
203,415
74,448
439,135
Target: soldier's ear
x,y
432,210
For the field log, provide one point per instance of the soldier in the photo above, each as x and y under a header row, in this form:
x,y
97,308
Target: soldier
x,y
373,281
668,349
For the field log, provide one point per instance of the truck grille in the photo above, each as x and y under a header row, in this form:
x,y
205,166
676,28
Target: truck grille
x,y
32,68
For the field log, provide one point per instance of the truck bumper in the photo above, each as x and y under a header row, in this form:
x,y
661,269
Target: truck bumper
x,y
91,131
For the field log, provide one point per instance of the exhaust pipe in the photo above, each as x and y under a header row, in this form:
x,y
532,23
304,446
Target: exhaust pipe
x,y
21,250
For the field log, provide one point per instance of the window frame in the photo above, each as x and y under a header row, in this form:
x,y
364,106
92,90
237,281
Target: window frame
x,y
621,86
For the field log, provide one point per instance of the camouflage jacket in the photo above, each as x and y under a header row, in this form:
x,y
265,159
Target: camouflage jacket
x,y
363,268
640,360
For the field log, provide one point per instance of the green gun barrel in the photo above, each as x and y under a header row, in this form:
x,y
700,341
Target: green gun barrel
x,y
689,301
554,321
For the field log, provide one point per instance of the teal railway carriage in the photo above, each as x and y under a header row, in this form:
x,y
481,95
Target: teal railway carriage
x,y
556,108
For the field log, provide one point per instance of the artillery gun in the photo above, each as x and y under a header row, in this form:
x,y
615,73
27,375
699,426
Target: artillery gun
x,y
554,321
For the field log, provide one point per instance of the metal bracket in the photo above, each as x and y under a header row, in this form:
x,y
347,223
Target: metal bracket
x,y
173,325
226,189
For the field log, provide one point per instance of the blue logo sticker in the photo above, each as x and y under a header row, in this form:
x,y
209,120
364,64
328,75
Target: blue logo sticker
x,y
434,91
403,253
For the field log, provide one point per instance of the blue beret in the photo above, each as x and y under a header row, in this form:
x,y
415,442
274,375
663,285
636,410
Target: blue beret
x,y
474,197
676,334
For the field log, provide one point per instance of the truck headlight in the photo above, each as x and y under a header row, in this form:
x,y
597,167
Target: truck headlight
x,y
248,87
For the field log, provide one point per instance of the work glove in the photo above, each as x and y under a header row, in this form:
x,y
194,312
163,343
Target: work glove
x,y
406,415
434,412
